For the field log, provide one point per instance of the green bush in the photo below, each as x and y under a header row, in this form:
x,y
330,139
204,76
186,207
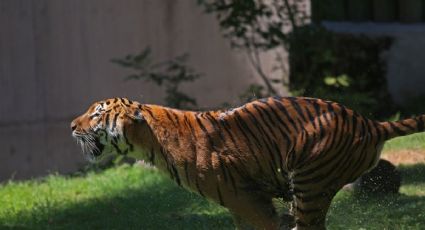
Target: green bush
x,y
346,68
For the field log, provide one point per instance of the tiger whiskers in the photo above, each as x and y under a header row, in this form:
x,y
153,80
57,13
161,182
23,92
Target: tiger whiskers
x,y
88,144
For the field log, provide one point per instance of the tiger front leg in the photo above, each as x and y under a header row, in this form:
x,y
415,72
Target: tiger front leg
x,y
253,212
240,224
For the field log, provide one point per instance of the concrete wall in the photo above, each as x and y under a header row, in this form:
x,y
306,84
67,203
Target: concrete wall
x,y
55,61
405,59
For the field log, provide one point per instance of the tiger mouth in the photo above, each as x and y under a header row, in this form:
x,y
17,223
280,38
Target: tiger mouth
x,y
91,145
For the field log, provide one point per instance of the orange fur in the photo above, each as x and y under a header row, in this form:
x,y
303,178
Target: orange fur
x,y
302,149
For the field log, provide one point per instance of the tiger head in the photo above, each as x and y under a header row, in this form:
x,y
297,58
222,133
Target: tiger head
x,y
112,126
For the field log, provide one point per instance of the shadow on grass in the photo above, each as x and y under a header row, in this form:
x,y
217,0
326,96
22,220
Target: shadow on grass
x,y
163,206
412,174
387,212
394,211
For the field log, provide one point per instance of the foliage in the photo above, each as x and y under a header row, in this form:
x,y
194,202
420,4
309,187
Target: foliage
x,y
256,27
413,106
254,91
169,74
341,67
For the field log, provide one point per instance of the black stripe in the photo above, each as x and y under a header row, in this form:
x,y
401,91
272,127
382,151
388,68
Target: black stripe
x,y
222,167
359,163
107,121
310,117
344,165
192,134
406,125
220,196
186,172
397,129
228,129
206,133
114,122
343,114
152,156
232,181
318,115
117,149
126,103
257,123
198,187
305,152
164,156
169,117
268,122
192,129
285,112
242,174
420,124
131,147
318,176
354,124
386,133
297,108
276,115
336,130
176,117
258,126
283,134
176,174
147,109
93,116
217,128
375,126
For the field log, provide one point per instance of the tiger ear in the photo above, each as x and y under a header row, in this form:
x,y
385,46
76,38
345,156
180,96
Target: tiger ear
x,y
136,115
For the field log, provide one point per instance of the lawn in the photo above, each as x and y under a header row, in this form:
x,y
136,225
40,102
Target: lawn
x,y
136,197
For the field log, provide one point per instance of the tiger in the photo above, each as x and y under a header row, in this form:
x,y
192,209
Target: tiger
x,y
301,149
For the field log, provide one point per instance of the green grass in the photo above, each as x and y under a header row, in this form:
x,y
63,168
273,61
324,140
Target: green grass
x,y
134,197
411,142
126,197
404,211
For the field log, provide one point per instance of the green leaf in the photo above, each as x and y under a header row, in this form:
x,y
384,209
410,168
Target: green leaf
x,y
344,80
330,81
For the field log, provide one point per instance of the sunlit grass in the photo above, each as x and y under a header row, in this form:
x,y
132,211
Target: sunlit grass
x,y
411,142
121,198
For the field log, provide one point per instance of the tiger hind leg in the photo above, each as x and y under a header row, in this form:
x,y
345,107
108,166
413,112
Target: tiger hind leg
x,y
310,210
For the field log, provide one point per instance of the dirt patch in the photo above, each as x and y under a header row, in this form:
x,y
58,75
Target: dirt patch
x,y
405,157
